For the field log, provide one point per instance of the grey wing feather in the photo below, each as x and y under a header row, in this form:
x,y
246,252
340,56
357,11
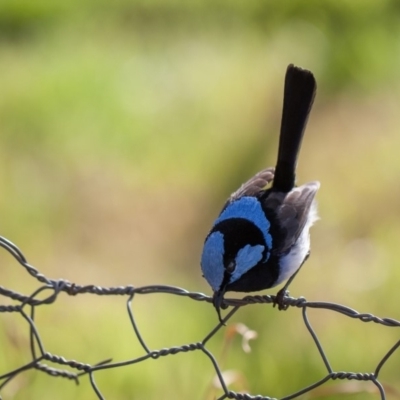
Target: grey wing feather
x,y
254,185
293,211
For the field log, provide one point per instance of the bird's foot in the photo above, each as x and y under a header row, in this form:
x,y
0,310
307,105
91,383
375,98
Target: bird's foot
x,y
280,299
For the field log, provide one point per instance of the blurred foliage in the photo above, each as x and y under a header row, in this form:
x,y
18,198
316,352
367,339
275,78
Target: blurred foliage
x,y
356,38
123,127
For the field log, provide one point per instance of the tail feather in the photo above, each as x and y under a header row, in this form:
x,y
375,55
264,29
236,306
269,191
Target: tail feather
x,y
299,93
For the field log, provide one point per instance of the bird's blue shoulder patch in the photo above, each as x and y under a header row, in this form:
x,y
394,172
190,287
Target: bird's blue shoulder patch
x,y
212,260
248,208
246,259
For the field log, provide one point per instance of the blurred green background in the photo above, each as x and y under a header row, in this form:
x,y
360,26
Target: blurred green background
x,y
125,125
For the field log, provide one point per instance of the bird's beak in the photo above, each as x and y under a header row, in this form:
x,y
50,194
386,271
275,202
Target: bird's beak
x,y
217,301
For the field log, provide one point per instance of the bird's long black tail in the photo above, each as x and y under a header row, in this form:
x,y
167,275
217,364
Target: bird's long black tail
x,y
299,93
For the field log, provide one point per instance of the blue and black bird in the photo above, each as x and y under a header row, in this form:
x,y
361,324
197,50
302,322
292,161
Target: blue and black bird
x,y
261,237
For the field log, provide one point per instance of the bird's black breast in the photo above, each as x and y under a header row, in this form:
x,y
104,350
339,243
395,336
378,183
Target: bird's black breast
x,y
262,276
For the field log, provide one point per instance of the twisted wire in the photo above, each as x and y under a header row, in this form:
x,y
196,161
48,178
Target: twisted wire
x,y
27,304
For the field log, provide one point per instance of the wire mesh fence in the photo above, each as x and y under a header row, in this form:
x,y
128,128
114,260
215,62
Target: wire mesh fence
x,y
26,306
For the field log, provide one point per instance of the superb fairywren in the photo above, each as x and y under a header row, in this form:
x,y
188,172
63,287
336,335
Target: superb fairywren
x,y
261,237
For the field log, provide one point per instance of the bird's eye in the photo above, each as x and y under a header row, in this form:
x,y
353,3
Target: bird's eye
x,y
231,266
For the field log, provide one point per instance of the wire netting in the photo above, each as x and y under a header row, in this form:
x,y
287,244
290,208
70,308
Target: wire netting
x,y
49,290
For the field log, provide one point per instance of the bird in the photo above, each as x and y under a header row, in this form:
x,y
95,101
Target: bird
x,y
261,237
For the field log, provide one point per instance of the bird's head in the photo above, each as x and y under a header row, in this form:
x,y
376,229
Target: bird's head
x,y
233,247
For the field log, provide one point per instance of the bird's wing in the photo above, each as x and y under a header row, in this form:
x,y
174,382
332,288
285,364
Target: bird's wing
x,y
292,212
254,185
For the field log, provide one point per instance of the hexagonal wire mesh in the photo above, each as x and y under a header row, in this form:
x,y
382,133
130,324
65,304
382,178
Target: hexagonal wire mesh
x,y
27,305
